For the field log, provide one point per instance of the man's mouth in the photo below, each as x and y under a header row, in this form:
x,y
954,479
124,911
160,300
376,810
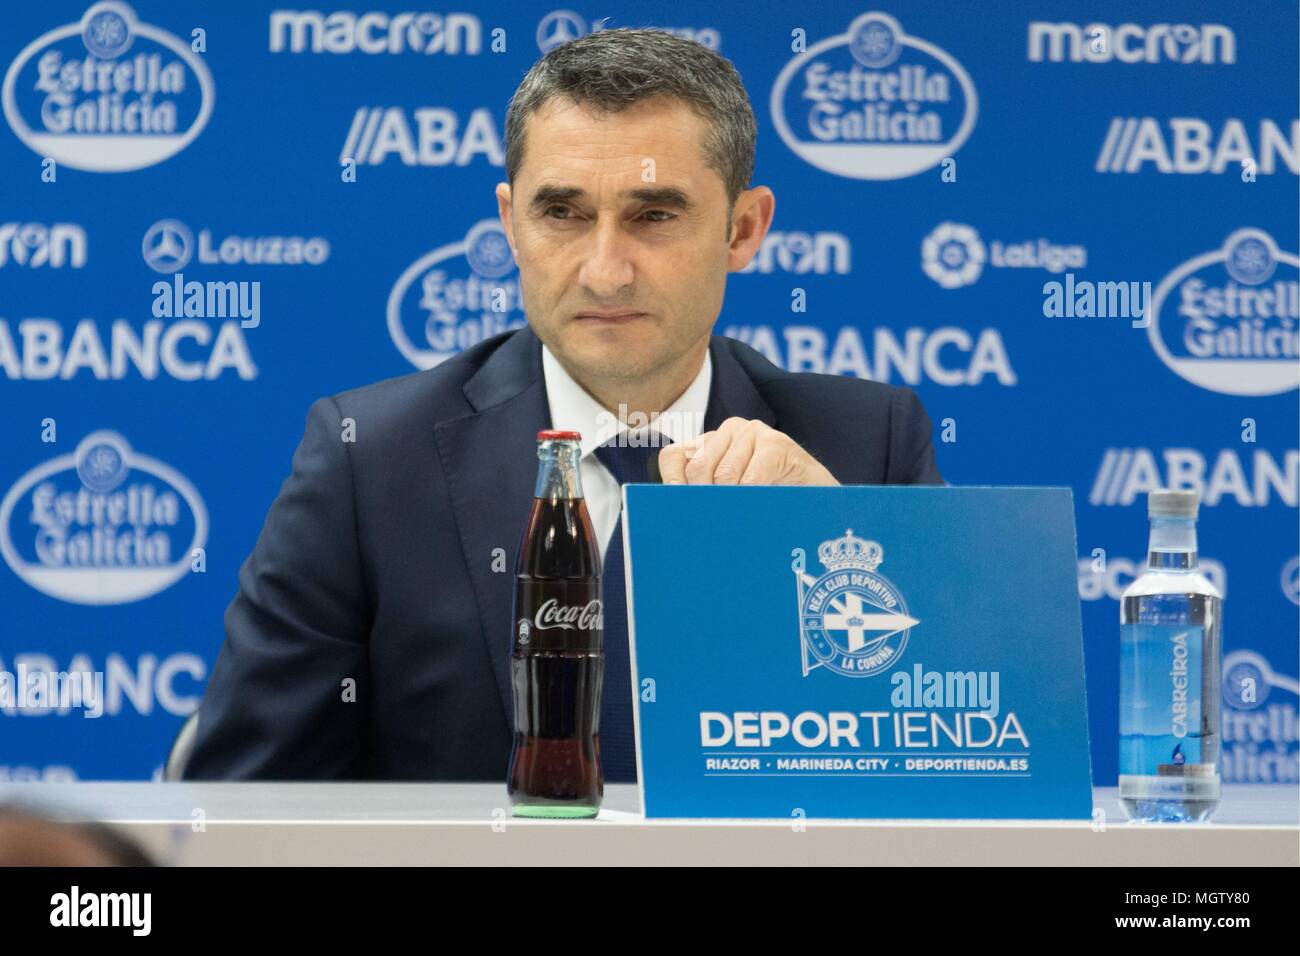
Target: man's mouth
x,y
597,315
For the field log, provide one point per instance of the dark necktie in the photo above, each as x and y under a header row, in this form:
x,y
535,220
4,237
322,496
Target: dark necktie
x,y
628,464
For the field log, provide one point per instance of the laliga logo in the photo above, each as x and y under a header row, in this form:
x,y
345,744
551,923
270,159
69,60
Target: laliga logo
x,y
1235,322
107,111
953,255
102,525
880,109
851,619
439,307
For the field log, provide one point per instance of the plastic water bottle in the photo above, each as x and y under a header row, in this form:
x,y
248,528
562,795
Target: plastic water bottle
x,y
1170,659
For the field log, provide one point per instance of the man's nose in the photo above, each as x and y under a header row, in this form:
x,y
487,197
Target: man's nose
x,y
607,266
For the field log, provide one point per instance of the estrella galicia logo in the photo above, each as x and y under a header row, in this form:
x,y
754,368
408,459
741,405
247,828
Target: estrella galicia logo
x,y
1259,738
1248,680
874,103
109,93
103,525
851,619
456,296
1229,320
953,255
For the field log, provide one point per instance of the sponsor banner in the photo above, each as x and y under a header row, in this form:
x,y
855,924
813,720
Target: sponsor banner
x,y
104,525
1070,232
108,93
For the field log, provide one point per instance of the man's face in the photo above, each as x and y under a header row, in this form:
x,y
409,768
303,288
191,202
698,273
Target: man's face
x,y
619,228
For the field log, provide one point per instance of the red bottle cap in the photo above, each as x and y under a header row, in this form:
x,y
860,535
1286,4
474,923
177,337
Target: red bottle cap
x,y
547,434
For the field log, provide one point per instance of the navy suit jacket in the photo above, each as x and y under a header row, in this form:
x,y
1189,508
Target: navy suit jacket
x,y
376,561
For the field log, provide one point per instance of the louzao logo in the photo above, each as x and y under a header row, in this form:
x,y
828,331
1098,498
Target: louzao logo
x,y
851,619
880,109
169,245
1290,578
562,26
558,28
105,111
110,526
1234,325
456,296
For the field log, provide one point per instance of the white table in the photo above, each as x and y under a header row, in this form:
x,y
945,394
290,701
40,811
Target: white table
x,y
422,824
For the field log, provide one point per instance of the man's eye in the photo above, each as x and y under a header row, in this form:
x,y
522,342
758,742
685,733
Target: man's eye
x,y
558,212
658,215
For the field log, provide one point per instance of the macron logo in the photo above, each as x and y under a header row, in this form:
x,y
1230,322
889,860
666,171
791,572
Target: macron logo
x,y
102,909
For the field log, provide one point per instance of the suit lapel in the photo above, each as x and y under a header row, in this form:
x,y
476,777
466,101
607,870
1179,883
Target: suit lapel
x,y
732,392
489,458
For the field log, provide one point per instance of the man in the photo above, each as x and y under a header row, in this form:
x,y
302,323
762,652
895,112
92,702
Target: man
x,y
371,634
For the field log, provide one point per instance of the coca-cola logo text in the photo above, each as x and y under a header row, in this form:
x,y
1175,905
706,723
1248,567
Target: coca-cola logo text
x,y
552,614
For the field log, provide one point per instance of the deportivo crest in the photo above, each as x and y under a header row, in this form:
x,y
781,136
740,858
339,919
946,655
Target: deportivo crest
x,y
851,619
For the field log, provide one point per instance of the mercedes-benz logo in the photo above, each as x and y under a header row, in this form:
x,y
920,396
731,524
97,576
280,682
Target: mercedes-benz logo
x,y
559,27
168,245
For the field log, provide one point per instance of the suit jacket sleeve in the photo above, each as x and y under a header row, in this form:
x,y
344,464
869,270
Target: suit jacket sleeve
x,y
277,705
911,452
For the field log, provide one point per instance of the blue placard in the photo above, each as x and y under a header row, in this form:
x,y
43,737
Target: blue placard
x,y
856,652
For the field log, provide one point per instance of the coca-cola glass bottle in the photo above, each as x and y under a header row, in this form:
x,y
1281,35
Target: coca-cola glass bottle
x,y
558,663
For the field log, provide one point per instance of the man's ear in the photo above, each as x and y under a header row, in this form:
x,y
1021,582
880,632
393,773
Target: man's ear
x,y
750,220
504,206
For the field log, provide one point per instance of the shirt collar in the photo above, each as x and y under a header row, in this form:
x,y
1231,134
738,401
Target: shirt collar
x,y
572,408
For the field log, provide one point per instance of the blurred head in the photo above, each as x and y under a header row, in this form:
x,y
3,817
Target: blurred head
x,y
628,155
30,840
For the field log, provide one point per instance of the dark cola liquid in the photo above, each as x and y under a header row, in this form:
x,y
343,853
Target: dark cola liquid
x,y
557,665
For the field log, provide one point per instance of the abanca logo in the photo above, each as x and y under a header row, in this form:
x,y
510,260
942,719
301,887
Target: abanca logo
x,y
885,105
108,94
456,296
102,525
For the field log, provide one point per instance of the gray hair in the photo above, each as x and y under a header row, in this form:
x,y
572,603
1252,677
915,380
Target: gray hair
x,y
613,69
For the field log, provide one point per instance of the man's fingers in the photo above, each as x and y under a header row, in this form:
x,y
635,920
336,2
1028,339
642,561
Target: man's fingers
x,y
736,458
768,464
741,452
672,464
712,446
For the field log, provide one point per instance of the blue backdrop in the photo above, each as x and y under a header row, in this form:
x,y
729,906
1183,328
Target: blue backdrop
x,y
961,189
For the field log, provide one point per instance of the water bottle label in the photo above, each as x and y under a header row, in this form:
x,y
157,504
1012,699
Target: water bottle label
x,y
1160,699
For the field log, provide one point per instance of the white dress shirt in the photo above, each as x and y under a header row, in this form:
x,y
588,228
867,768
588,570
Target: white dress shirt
x,y
572,409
